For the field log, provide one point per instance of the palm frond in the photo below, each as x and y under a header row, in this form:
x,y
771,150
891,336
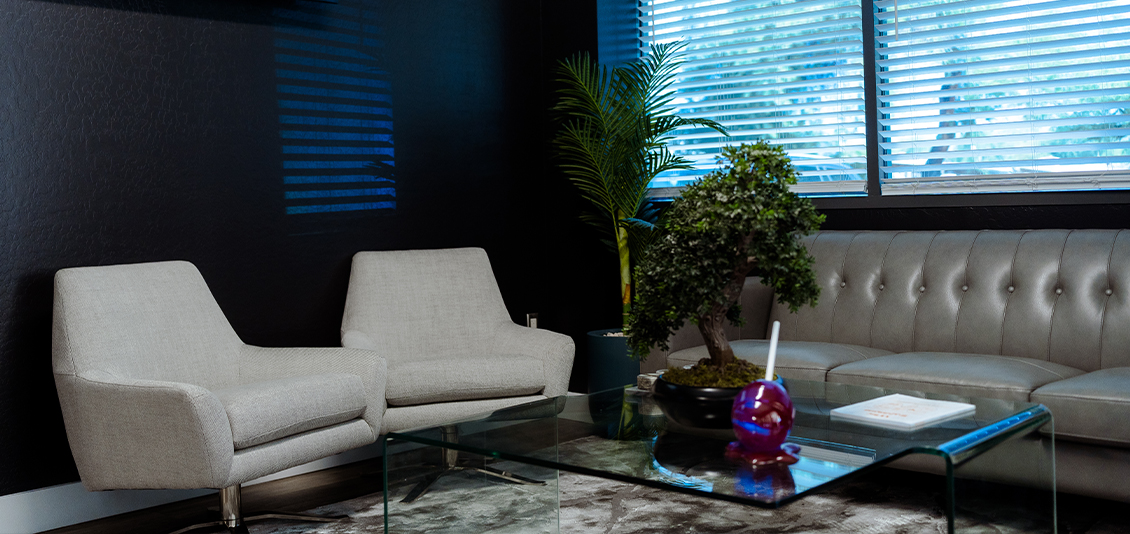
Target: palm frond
x,y
612,141
662,126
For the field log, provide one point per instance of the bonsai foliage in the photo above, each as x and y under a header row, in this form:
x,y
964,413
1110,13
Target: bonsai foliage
x,y
613,143
738,221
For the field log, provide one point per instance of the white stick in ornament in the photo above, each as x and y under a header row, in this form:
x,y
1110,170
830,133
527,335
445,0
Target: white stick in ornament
x,y
772,351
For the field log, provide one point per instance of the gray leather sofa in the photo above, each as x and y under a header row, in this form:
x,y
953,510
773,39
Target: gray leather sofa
x,y
1039,315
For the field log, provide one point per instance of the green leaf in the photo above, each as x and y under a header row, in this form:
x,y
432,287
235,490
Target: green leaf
x,y
743,210
612,139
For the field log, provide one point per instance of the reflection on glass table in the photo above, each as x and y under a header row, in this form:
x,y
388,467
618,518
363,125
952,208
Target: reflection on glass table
x,y
624,436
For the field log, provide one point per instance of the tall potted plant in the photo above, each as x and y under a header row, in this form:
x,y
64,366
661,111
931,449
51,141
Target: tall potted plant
x,y
613,142
738,221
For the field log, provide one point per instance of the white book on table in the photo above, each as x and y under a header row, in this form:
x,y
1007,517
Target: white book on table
x,y
902,412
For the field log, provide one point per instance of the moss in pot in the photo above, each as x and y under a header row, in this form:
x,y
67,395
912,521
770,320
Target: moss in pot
x,y
740,220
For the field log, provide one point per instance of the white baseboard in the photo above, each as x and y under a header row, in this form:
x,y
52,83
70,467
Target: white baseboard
x,y
70,504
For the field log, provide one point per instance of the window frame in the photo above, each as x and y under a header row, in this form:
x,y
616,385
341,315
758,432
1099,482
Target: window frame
x,y
874,199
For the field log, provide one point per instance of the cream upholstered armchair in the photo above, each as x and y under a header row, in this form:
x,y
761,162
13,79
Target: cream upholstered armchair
x,y
158,391
438,317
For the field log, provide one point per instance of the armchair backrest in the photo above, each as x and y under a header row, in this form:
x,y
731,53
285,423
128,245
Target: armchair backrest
x,y
423,304
154,321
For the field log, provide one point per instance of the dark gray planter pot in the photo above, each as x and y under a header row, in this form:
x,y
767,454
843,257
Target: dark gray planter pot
x,y
697,407
609,364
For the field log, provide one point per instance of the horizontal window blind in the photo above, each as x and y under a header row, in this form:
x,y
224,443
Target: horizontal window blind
x,y
790,72
999,95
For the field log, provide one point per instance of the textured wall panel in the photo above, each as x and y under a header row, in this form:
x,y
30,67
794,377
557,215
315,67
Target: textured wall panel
x,y
149,130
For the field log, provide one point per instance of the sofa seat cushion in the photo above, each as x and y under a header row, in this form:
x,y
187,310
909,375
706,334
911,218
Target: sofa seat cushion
x,y
462,378
1092,407
966,375
802,360
262,412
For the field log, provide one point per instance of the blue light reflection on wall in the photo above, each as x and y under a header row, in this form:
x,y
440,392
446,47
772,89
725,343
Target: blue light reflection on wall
x,y
335,109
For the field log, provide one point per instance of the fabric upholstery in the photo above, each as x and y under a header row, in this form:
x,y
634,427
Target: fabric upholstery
x,y
139,353
437,316
403,418
268,458
468,378
156,321
554,350
266,411
424,304
127,433
263,363
1053,295
802,360
974,375
1092,408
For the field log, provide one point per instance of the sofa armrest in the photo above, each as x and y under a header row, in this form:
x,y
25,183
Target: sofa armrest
x,y
145,434
555,350
257,364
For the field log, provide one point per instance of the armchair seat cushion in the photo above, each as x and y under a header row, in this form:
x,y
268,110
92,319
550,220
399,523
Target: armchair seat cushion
x,y
462,378
802,360
1092,407
973,375
262,412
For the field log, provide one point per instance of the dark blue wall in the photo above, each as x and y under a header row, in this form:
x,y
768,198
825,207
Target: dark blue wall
x,y
142,130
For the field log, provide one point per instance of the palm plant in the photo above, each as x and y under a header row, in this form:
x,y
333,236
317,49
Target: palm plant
x,y
613,143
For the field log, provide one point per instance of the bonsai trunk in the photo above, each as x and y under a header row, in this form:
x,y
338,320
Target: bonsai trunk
x,y
712,324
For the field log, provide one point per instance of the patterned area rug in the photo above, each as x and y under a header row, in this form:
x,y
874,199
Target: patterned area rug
x,y
889,501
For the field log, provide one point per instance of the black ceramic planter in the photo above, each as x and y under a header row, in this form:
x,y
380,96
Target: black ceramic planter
x,y
696,407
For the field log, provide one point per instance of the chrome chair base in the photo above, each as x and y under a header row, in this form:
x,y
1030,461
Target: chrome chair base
x,y
232,519
450,464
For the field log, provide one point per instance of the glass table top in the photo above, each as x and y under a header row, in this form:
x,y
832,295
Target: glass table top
x,y
622,435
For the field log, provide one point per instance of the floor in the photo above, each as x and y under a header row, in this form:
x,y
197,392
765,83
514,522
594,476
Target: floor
x,y
888,501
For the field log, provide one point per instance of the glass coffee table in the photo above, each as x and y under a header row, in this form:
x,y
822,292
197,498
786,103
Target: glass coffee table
x,y
622,435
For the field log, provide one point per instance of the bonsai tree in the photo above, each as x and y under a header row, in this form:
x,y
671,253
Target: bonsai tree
x,y
613,143
737,221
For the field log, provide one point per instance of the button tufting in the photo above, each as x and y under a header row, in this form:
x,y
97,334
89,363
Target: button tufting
x,y
843,284
1058,291
881,287
1109,292
1011,289
922,289
965,288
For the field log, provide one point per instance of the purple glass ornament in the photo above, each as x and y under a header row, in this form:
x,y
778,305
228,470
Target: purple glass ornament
x,y
762,417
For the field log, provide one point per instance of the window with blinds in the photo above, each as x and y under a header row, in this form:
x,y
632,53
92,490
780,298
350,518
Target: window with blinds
x,y
790,72
999,95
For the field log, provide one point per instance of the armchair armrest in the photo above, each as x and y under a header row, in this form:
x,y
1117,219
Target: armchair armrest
x,y
555,350
145,434
257,364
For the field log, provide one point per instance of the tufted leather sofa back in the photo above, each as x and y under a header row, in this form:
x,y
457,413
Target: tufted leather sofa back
x,y
1055,295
